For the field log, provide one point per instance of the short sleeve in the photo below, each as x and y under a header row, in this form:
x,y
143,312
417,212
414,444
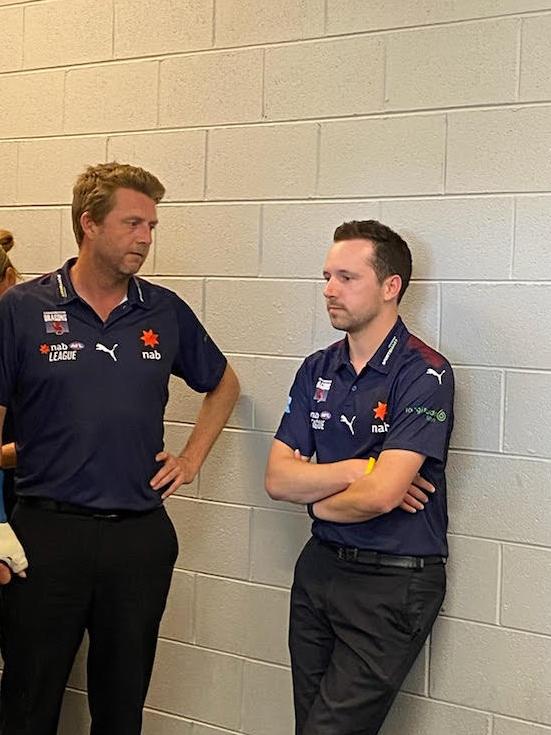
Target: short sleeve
x,y
421,412
295,428
8,350
198,360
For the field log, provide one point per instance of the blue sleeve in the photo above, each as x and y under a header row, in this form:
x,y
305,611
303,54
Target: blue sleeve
x,y
295,428
3,517
421,411
8,350
198,360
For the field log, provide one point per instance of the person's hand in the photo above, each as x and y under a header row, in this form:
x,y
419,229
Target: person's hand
x,y
175,471
417,495
12,555
5,573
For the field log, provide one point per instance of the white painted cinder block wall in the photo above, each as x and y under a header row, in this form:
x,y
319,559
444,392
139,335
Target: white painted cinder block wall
x,y
272,121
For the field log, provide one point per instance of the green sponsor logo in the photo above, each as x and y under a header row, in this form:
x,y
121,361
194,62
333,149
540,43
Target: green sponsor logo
x,y
431,414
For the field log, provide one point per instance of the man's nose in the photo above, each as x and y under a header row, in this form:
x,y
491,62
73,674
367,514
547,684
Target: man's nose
x,y
329,288
146,234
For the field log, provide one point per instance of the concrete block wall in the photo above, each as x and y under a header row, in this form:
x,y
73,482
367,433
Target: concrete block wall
x,y
272,121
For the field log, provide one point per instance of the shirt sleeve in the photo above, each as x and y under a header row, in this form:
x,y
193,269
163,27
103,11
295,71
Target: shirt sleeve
x,y
8,350
421,412
295,428
198,360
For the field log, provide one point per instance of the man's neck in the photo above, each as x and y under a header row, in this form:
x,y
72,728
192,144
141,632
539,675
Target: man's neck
x,y
365,343
100,289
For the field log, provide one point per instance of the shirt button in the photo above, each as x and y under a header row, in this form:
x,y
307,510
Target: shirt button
x,y
354,387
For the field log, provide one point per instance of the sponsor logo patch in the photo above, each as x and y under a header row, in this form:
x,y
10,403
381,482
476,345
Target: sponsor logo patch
x,y
317,422
151,340
431,414
58,353
380,412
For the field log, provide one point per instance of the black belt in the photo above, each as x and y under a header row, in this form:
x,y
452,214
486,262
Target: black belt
x,y
363,556
59,506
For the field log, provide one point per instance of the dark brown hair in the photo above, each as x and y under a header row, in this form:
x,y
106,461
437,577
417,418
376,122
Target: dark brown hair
x,y
392,255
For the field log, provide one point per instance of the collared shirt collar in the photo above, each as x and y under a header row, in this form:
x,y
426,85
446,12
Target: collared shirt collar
x,y
390,347
65,291
383,357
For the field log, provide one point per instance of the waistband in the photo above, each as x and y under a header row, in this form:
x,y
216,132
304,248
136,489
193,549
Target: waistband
x,y
58,506
364,556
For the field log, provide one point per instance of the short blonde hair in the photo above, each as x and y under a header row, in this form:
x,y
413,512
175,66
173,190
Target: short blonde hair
x,y
6,244
95,188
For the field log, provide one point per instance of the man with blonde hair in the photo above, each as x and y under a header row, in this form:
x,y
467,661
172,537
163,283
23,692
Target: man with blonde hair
x,y
85,357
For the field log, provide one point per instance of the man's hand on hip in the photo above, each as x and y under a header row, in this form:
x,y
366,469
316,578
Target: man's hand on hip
x,y
11,554
175,471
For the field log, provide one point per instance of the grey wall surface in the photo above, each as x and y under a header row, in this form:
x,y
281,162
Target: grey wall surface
x,y
272,121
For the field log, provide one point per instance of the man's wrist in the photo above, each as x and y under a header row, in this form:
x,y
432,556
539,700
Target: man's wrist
x,y
194,467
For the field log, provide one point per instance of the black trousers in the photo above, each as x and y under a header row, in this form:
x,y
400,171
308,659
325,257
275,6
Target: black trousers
x,y
109,577
355,631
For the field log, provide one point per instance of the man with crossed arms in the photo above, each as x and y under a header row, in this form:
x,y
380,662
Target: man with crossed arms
x,y
376,409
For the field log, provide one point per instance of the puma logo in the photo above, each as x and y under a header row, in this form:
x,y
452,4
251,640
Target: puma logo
x,y
103,348
438,376
350,423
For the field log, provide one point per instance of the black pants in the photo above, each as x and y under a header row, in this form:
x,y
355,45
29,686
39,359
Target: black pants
x,y
110,577
355,631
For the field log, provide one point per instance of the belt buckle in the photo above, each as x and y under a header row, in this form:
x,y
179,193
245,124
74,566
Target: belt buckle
x,y
107,516
347,553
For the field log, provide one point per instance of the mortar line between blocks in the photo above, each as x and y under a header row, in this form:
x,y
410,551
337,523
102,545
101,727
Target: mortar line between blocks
x,y
519,59
513,239
503,408
499,583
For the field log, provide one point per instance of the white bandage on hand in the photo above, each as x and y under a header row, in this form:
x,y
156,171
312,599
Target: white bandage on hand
x,y
11,551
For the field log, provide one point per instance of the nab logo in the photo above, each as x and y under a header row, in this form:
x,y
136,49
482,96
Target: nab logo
x,y
151,340
154,355
380,412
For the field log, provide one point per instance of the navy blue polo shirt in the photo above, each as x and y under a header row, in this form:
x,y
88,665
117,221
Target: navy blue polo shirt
x,y
402,399
88,397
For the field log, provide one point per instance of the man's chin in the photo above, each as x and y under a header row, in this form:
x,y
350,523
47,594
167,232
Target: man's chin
x,y
340,324
130,269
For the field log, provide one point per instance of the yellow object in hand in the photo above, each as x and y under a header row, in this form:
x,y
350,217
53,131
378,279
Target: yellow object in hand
x,y
370,465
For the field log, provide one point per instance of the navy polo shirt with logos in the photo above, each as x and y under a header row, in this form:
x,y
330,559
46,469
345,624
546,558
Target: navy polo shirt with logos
x,y
402,399
88,397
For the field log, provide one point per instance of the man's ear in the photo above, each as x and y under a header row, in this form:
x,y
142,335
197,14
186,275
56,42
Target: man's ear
x,y
10,277
89,227
393,285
